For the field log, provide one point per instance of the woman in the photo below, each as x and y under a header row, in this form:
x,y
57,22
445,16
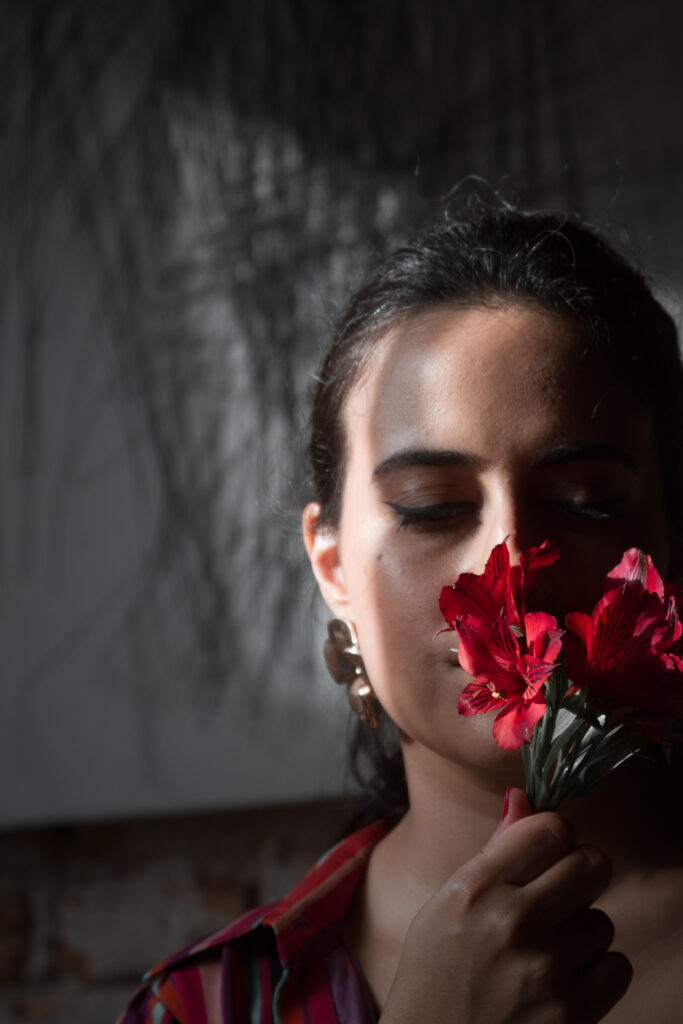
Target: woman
x,y
506,376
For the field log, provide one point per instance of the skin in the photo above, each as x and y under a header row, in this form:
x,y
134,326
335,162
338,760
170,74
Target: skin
x,y
469,427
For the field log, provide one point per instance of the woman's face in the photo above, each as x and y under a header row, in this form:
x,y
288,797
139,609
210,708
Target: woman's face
x,y
469,427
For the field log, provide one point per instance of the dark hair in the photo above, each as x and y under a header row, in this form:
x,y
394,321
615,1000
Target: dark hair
x,y
541,259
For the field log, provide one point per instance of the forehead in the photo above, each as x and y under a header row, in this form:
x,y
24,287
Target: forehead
x,y
501,379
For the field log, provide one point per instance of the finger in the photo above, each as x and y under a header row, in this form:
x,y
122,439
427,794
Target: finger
x,y
570,950
519,853
600,987
583,939
518,807
515,807
567,886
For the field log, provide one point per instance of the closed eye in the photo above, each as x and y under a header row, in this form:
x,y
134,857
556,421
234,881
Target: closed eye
x,y
444,513
588,509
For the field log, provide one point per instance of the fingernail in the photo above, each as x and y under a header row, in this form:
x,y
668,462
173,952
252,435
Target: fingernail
x,y
506,803
597,858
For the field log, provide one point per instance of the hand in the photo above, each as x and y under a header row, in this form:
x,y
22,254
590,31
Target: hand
x,y
511,938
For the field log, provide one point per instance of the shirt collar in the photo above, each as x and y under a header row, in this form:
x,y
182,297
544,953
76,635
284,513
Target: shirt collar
x,y
309,919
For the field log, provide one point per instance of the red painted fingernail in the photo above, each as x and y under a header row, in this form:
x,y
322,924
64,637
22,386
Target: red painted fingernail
x,y
506,803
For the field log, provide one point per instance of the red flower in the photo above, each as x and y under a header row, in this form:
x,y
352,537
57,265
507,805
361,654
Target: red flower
x,y
628,651
635,567
488,611
501,588
507,679
627,657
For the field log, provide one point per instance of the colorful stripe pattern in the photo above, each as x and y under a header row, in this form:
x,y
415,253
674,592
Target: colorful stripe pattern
x,y
282,964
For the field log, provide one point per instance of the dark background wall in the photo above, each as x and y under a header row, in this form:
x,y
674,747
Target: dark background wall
x,y
189,189
188,192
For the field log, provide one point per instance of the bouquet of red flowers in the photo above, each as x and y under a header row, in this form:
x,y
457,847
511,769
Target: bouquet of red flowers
x,y
580,700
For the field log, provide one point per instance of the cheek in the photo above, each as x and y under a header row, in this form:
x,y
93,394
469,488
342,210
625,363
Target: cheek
x,y
392,575
394,601
412,671
389,596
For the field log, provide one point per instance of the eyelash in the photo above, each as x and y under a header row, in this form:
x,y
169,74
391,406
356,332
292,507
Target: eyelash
x,y
446,512
590,510
441,513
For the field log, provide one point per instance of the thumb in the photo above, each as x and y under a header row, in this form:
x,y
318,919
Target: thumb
x,y
515,807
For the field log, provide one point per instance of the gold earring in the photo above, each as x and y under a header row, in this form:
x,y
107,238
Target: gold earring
x,y
345,664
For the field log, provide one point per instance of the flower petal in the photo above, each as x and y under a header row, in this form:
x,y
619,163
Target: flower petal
x,y
515,724
534,559
636,567
629,620
483,595
491,651
543,637
477,699
534,673
578,646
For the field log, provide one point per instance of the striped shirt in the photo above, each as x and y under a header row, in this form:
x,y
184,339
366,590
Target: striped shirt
x,y
286,963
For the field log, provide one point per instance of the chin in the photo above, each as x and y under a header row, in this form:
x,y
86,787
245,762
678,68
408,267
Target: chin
x,y
468,746
477,749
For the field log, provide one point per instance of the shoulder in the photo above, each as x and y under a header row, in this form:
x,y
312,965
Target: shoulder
x,y
193,984
287,953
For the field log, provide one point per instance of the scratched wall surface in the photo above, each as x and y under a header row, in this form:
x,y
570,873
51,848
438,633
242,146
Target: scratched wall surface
x,y
85,910
188,192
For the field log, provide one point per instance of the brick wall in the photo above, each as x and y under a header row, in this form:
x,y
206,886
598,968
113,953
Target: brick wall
x,y
85,910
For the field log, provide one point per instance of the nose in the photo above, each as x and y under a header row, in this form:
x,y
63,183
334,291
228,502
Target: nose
x,y
511,536
504,518
507,516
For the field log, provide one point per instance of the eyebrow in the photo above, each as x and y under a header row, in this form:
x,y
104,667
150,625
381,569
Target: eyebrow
x,y
561,454
426,457
564,453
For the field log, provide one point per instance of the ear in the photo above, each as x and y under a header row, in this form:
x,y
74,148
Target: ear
x,y
322,547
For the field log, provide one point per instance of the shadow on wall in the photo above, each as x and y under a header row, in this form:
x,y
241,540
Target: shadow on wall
x,y
188,193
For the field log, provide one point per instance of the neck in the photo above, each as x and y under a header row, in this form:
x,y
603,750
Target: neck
x,y
635,816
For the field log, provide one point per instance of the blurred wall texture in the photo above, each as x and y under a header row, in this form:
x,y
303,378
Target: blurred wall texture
x,y
189,190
